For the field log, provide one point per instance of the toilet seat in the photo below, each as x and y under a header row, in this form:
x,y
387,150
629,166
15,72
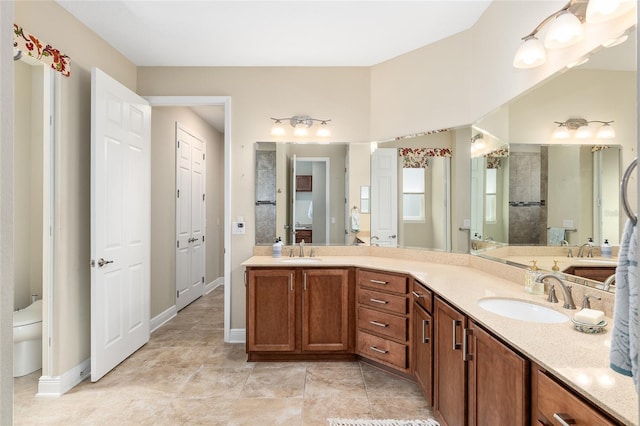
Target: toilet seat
x,y
30,315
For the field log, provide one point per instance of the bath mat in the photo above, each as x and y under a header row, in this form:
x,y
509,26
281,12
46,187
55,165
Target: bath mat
x,y
386,422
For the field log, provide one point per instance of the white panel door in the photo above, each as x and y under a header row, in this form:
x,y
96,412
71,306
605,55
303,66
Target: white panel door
x,y
120,222
190,216
384,197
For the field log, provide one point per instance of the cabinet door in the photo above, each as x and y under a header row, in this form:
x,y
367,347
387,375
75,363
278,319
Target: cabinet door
x,y
423,351
497,379
271,310
325,310
450,384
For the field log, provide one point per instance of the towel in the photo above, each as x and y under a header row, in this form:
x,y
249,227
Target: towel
x,y
355,221
624,336
555,236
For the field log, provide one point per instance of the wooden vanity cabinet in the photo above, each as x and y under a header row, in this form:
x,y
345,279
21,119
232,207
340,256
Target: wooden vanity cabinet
x,y
498,381
450,378
299,311
478,380
382,317
422,341
553,404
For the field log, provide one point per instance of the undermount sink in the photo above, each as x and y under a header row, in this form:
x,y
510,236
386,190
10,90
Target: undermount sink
x,y
522,310
301,260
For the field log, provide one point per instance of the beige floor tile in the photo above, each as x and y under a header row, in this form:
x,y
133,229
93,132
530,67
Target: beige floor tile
x,y
216,383
380,384
282,382
405,408
332,382
252,412
316,411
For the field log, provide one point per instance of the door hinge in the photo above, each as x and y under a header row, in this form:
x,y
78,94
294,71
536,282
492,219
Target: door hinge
x,y
202,197
178,244
178,294
203,238
203,156
202,280
178,193
178,144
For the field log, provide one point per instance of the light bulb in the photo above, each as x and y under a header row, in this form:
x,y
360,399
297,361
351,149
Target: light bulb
x,y
277,129
584,132
604,10
564,31
300,130
606,132
561,132
323,131
530,54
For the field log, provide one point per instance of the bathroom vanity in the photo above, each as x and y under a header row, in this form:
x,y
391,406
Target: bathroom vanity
x,y
421,320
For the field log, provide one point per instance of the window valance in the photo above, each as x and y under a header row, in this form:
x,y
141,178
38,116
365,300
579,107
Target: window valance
x,y
45,53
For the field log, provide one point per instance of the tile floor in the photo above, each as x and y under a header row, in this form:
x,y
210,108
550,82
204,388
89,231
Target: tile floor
x,y
187,375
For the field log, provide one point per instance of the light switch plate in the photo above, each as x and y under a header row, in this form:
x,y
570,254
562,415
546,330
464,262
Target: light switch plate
x,y
237,228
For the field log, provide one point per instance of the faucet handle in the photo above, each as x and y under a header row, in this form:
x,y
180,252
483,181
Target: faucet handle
x,y
312,253
570,253
586,304
552,293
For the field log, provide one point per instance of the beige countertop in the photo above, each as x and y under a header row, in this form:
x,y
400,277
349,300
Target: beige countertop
x,y
579,360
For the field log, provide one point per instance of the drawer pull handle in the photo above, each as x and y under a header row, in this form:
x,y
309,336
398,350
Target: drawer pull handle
x,y
291,282
456,345
379,324
416,294
564,419
425,323
382,351
382,302
379,282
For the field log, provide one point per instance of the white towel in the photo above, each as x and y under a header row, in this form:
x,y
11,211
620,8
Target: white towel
x,y
555,236
355,221
624,336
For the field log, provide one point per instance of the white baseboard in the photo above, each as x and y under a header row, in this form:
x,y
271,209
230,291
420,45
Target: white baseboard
x,y
55,386
161,319
213,285
237,335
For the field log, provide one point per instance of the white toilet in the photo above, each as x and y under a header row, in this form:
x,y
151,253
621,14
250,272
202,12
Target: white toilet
x,y
27,339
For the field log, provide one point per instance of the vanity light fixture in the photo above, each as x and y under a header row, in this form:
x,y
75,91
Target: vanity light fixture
x,y
301,125
581,129
477,142
566,28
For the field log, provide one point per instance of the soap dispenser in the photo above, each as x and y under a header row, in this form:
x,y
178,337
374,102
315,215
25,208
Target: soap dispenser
x,y
605,249
530,284
277,248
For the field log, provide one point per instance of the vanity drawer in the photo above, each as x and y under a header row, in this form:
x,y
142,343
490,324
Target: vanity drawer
x,y
387,302
422,296
378,322
382,350
554,400
383,281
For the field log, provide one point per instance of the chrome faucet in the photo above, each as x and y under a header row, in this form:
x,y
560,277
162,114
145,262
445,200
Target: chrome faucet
x,y
301,248
609,281
589,244
566,291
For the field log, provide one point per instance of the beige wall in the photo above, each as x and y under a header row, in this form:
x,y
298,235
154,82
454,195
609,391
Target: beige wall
x,y
257,94
28,180
163,201
53,25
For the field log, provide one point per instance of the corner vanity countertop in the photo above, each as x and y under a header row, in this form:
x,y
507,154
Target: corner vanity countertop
x,y
579,360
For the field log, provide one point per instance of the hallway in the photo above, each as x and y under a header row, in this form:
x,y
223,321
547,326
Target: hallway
x,y
186,375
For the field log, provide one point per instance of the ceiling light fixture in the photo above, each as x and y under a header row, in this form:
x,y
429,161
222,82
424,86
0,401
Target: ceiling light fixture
x,y
566,28
301,125
581,129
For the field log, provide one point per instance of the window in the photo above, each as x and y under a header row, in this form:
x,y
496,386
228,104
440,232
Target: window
x,y
413,195
490,196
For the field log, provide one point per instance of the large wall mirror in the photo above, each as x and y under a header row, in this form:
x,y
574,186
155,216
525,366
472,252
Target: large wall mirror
x,y
315,192
535,197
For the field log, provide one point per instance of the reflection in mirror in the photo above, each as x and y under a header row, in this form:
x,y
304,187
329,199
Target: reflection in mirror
x,y
534,197
410,192
301,193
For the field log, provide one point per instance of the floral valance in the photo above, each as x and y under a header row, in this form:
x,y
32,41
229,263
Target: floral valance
x,y
418,158
48,55
494,158
597,148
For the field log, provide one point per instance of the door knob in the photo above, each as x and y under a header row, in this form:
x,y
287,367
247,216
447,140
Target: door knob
x,y
102,262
